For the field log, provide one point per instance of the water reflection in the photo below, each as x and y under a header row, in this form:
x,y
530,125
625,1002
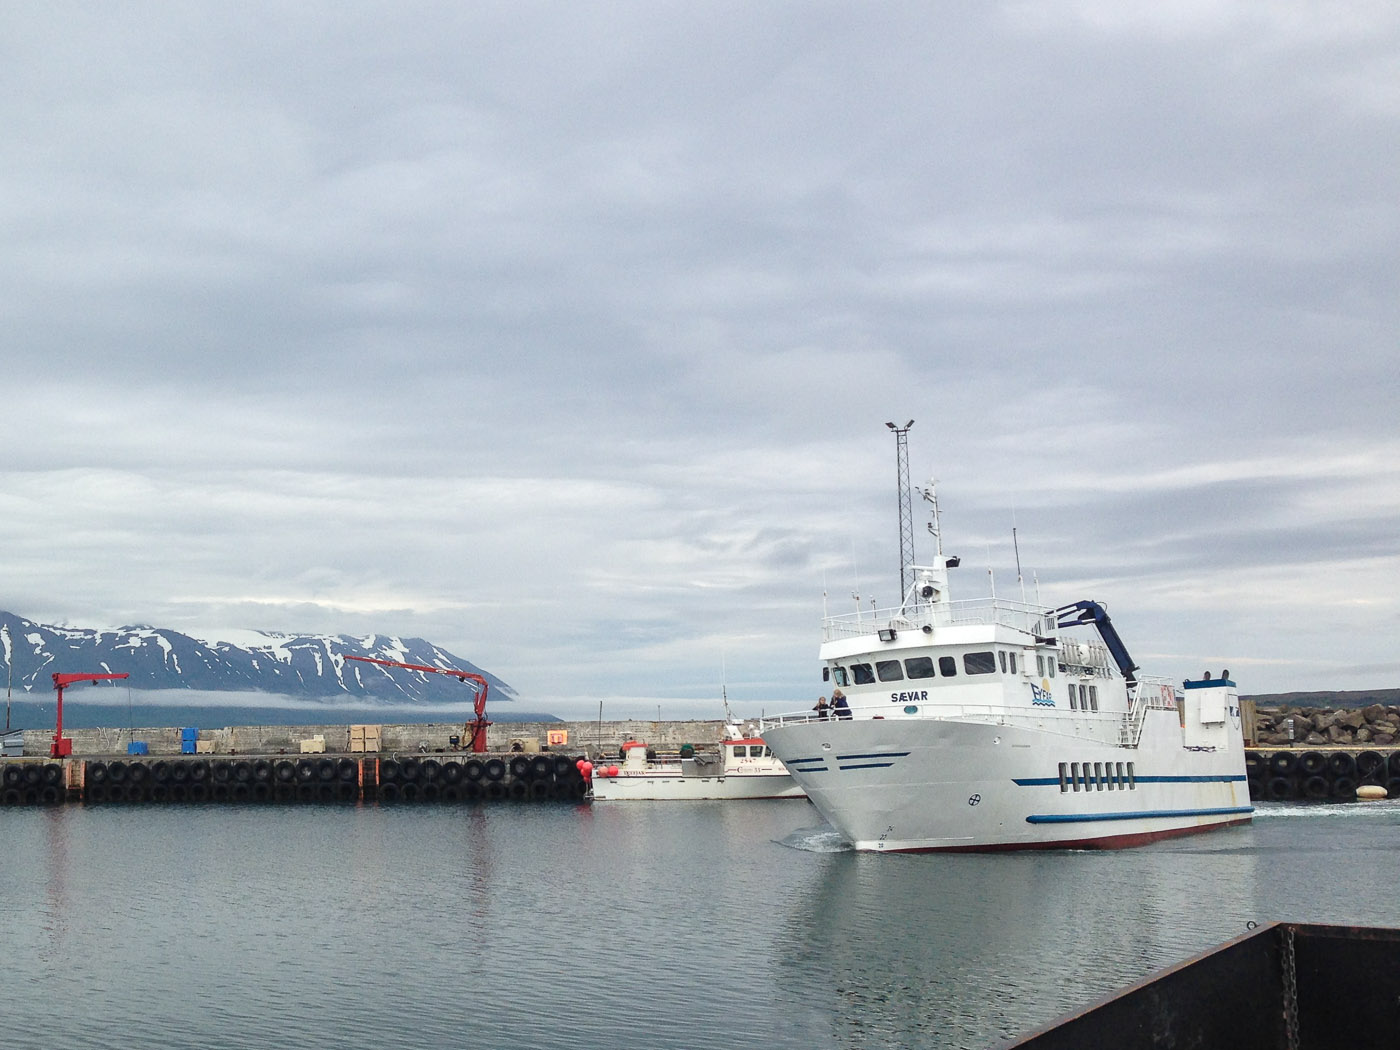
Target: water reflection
x,y
947,950
56,907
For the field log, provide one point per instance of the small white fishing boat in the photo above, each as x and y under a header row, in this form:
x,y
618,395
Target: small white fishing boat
x,y
744,768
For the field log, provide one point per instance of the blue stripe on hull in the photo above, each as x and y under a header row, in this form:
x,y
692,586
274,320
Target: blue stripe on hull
x,y
1078,818
873,754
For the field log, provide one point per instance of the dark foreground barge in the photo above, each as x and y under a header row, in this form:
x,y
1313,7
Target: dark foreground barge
x,y
1284,986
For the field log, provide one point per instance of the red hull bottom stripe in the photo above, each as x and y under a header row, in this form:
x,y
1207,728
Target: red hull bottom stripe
x,y
1141,838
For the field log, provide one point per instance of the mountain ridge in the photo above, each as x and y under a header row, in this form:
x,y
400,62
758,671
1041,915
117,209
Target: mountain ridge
x,y
275,663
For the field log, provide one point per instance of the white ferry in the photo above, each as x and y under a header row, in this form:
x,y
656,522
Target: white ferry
x,y
976,725
745,768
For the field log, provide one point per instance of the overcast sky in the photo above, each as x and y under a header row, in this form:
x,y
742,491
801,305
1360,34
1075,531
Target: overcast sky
x,y
565,335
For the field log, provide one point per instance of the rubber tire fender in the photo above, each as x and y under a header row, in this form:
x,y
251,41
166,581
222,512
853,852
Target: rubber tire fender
x,y
1312,763
1370,767
1342,766
1316,787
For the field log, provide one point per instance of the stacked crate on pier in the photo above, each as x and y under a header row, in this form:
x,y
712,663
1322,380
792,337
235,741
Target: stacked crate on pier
x,y
189,739
365,739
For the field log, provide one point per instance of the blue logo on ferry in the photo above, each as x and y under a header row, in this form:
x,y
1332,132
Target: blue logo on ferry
x,y
1041,696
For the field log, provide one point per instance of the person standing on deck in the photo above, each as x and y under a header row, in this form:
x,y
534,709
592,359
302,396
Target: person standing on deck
x,y
839,707
820,708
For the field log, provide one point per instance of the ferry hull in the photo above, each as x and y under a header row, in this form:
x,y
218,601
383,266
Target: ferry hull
x,y
916,785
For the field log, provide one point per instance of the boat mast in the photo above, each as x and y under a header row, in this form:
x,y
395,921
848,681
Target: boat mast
x,y
906,511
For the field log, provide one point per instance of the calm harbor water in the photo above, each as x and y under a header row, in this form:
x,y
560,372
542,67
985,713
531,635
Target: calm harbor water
x,y
648,925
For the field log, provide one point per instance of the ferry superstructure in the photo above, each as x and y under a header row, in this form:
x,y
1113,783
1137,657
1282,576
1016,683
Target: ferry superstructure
x,y
981,725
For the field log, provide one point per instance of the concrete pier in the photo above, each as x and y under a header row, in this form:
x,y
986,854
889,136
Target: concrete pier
x,y
525,761
123,780
590,738
1320,774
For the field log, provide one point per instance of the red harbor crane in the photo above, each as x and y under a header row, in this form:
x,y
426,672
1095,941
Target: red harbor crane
x,y
62,746
476,728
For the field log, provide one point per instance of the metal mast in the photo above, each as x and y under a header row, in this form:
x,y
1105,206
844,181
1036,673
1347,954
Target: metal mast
x,y
906,510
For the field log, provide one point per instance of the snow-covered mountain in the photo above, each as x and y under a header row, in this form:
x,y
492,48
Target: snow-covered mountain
x,y
308,666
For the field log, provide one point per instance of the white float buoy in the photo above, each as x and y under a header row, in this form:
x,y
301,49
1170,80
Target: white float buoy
x,y
1370,792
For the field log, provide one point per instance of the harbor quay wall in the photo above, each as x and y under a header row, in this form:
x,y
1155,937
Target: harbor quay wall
x,y
593,739
1319,774
524,761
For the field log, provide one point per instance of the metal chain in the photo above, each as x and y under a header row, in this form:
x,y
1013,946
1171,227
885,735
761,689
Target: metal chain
x,y
1290,992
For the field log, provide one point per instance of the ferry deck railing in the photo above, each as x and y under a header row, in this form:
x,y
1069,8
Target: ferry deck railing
x,y
1020,616
1151,693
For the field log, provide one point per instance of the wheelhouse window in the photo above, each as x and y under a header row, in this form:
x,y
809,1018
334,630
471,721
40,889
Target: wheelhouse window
x,y
1093,698
947,667
1011,658
1002,655
838,674
919,667
979,663
862,674
889,670
1039,666
1073,697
